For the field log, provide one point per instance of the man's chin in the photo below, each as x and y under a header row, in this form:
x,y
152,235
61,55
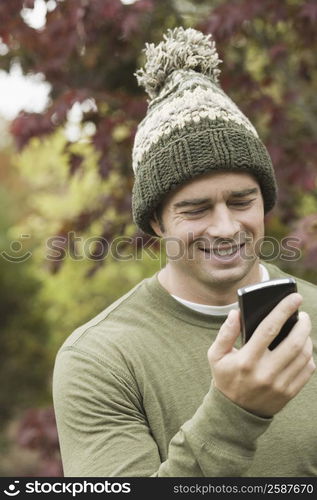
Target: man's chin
x,y
229,275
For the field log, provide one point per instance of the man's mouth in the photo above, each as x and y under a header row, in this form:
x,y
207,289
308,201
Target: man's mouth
x,y
222,251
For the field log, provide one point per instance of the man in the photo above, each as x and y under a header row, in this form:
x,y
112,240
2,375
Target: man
x,y
135,393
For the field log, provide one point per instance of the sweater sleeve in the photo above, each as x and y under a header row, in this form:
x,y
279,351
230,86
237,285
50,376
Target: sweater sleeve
x,y
103,429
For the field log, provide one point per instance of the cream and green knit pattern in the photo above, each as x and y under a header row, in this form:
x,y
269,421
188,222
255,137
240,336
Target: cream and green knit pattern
x,y
191,127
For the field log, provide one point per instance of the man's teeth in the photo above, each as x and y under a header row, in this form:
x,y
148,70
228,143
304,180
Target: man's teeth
x,y
227,251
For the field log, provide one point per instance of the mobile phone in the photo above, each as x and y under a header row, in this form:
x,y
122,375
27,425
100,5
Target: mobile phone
x,y
256,301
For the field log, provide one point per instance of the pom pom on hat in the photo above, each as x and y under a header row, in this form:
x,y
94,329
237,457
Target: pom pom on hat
x,y
181,49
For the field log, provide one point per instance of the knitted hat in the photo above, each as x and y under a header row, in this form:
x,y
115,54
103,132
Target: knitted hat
x,y
191,127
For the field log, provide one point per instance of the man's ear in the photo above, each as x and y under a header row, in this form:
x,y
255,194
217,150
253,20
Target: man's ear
x,y
155,225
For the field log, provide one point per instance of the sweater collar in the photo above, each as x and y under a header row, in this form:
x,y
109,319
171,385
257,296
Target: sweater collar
x,y
163,299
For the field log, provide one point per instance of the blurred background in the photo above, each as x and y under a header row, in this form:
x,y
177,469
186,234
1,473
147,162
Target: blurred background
x,y
69,107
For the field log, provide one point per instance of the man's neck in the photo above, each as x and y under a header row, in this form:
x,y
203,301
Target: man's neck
x,y
216,294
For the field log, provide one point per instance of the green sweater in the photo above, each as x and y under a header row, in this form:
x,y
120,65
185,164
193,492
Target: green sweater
x,y
133,397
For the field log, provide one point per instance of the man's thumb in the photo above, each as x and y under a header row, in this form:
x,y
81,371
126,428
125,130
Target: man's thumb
x,y
226,337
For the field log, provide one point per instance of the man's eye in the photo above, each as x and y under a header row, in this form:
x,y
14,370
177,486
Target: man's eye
x,y
195,212
241,203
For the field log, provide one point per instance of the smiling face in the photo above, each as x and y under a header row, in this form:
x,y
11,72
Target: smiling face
x,y
212,227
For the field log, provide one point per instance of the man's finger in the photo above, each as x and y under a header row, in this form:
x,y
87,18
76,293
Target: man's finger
x,y
290,348
302,362
227,335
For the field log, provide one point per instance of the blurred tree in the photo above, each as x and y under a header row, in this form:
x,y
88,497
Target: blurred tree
x,y
24,356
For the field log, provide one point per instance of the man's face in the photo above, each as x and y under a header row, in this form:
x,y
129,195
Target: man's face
x,y
212,229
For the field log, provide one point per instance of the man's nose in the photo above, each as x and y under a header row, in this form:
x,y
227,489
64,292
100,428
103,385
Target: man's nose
x,y
223,223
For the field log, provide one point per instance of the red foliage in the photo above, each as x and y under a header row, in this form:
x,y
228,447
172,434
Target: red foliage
x,y
309,11
28,125
37,431
305,234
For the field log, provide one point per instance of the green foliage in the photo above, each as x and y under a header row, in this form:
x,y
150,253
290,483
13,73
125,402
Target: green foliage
x,y
55,198
24,356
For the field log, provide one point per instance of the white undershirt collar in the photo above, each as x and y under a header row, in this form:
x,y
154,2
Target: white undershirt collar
x,y
218,310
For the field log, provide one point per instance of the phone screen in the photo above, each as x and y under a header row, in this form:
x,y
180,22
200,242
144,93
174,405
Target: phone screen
x,y
256,301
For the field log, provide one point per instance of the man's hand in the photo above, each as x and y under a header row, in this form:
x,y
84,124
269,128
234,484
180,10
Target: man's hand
x,y
257,379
